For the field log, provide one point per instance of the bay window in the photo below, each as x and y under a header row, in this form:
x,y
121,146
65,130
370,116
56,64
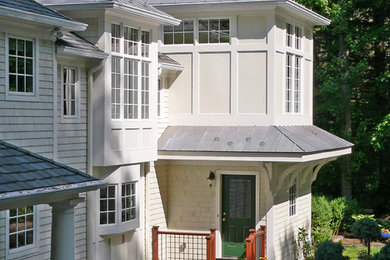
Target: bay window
x,y
130,73
293,84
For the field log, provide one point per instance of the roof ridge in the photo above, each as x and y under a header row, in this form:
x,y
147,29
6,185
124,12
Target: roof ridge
x,y
277,128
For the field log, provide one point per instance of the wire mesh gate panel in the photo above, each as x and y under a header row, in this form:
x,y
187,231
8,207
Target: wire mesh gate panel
x,y
182,247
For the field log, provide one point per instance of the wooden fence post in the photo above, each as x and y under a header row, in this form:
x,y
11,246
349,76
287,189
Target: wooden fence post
x,y
212,233
263,228
155,242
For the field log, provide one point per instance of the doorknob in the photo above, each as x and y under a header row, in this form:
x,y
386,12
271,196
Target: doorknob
x,y
223,219
224,213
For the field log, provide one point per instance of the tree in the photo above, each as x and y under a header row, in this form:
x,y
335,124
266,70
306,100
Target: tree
x,y
367,230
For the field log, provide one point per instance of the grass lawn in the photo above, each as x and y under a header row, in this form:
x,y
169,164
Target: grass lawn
x,y
353,251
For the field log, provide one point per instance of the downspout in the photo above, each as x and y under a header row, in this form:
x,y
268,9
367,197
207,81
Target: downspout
x,y
55,105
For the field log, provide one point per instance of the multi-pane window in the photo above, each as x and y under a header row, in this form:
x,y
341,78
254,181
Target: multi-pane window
x,y
115,87
21,227
128,197
108,205
130,103
159,98
145,90
293,84
69,92
115,37
293,36
292,199
145,43
214,30
131,40
180,34
20,65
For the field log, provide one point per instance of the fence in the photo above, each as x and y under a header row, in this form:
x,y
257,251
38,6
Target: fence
x,y
255,244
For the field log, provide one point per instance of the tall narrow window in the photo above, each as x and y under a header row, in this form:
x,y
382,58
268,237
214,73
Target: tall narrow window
x,y
20,66
289,36
130,103
294,36
214,31
108,205
160,98
298,37
180,34
130,36
128,197
115,88
145,43
69,92
21,227
115,37
293,84
145,90
292,199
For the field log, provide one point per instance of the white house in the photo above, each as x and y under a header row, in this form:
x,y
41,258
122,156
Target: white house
x,y
198,115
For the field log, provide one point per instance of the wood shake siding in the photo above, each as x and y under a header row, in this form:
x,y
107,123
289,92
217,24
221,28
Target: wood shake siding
x,y
29,124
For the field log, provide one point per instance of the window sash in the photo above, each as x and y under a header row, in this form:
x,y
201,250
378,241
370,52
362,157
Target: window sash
x,y
145,90
292,198
21,65
70,92
160,98
293,103
107,205
294,34
115,37
21,227
213,30
115,87
180,34
128,201
131,100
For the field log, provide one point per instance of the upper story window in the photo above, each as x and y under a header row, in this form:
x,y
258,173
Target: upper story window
x,y
21,224
20,66
294,36
131,40
293,102
128,197
160,99
145,90
115,37
70,92
292,199
145,39
108,205
180,34
214,30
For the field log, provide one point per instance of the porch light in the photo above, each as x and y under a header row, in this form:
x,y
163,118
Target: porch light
x,y
211,178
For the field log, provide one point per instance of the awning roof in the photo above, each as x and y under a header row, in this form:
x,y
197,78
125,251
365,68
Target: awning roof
x,y
25,174
168,63
250,139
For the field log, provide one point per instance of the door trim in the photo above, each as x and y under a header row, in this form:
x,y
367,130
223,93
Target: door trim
x,y
218,186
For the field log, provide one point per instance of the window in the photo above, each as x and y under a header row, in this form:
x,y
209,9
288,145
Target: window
x,y
20,66
292,199
293,36
131,89
130,74
21,223
180,34
130,36
293,83
159,99
214,31
70,92
115,87
145,43
115,37
145,90
108,205
128,197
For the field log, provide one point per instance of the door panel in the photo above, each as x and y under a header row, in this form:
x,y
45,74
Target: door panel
x,y
238,212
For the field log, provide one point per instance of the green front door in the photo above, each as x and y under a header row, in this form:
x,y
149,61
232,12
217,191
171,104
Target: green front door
x,y
238,212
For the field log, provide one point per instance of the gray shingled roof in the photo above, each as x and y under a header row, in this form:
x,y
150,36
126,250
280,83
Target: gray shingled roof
x,y
258,139
143,5
71,39
165,59
21,171
32,7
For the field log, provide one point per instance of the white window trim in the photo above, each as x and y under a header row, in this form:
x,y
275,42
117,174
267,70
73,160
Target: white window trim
x,y
296,199
285,84
194,33
34,96
119,227
160,110
76,117
293,47
21,252
196,39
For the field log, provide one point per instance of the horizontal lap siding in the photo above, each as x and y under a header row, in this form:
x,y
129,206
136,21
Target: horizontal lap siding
x,y
29,124
72,151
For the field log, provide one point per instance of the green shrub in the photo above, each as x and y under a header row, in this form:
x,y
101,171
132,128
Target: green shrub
x,y
321,219
338,207
352,208
329,250
367,230
384,254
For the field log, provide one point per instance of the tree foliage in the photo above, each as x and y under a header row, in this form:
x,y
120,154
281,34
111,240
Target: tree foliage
x,y
352,96
367,230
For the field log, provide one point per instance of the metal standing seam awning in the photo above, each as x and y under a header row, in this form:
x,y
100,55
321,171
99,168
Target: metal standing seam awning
x,y
265,143
27,178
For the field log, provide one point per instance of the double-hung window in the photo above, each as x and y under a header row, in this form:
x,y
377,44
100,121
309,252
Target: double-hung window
x,y
108,205
21,228
180,34
214,30
292,199
293,83
130,73
20,66
70,92
128,199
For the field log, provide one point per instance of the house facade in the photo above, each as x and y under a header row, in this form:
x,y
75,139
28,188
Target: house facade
x,y
197,115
